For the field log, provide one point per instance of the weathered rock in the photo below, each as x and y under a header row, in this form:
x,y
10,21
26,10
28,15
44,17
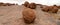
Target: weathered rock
x,y
32,5
58,7
46,9
55,10
29,15
26,3
59,19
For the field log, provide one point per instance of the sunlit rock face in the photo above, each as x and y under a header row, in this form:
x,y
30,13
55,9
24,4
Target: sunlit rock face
x,y
28,15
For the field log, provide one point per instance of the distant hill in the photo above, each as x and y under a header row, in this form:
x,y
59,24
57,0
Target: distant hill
x,y
6,4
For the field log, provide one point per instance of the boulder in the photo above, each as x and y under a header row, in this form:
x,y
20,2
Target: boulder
x,y
29,15
32,5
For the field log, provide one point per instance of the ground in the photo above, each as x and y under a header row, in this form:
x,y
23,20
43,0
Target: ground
x,y
12,15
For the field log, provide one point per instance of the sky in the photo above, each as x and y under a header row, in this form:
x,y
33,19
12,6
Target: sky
x,y
44,2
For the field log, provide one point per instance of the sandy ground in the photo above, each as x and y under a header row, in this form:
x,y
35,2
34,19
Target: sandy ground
x,y
12,15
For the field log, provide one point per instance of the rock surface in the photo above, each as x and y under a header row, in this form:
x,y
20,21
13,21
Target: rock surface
x,y
12,15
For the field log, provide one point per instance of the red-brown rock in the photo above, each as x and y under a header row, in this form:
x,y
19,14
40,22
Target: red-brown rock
x,y
26,3
29,15
45,8
55,9
32,5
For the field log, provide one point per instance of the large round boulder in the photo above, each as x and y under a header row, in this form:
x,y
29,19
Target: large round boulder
x,y
29,15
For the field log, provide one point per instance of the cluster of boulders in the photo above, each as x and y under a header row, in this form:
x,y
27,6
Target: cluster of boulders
x,y
6,4
53,9
28,13
30,5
